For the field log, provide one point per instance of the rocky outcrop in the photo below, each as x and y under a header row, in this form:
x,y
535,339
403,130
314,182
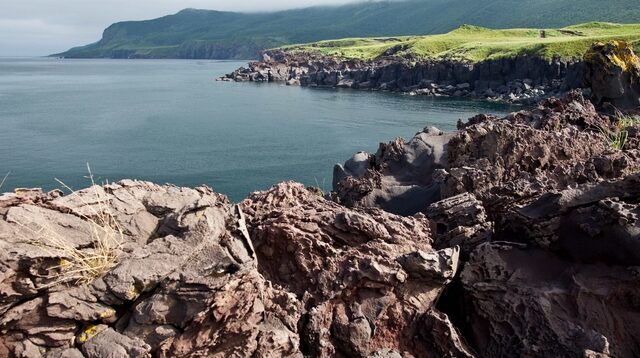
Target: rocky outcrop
x,y
525,79
557,145
546,213
613,71
285,273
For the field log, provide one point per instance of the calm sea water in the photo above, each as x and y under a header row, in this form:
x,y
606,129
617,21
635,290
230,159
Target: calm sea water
x,y
169,122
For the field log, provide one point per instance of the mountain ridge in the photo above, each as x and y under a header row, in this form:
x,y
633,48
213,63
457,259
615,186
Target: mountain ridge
x,y
211,34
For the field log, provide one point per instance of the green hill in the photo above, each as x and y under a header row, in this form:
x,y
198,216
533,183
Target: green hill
x,y
227,35
475,43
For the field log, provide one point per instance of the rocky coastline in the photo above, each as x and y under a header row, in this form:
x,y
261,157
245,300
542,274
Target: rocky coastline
x,y
515,236
523,79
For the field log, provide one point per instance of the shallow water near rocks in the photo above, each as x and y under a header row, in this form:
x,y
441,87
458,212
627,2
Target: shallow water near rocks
x,y
170,121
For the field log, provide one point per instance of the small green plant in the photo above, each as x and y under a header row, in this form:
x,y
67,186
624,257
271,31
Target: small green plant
x,y
625,121
616,139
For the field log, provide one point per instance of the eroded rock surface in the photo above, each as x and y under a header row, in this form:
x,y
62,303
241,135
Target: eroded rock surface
x,y
286,273
613,71
557,145
523,79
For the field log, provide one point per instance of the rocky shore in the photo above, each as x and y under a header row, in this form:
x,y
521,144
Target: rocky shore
x,y
518,80
517,236
522,79
512,237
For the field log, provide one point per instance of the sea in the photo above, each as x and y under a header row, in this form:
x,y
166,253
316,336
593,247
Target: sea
x,y
170,121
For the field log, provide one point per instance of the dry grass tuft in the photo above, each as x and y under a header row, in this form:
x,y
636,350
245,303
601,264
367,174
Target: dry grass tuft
x,y
4,179
83,265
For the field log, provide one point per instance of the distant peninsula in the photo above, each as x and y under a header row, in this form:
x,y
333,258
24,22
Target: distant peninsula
x,y
207,34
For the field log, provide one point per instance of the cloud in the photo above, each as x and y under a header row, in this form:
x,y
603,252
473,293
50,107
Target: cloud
x,y
41,27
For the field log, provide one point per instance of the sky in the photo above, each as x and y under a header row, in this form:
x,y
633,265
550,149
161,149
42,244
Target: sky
x,y
43,27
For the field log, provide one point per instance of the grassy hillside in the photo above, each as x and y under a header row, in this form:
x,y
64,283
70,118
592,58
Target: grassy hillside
x,y
475,43
213,34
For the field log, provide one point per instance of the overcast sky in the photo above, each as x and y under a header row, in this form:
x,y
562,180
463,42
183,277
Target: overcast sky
x,y
43,27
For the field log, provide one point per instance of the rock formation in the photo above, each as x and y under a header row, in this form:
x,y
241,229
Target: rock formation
x,y
613,72
546,213
515,236
524,79
285,273
557,145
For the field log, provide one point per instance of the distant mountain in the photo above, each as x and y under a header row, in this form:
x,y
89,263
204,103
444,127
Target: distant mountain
x,y
206,34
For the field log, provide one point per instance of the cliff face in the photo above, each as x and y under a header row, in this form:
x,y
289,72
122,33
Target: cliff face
x,y
525,79
610,72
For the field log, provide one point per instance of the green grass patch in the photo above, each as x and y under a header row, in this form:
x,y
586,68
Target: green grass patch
x,y
475,44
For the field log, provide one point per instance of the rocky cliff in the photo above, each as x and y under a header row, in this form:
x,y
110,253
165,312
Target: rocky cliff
x,y
545,212
523,79
606,69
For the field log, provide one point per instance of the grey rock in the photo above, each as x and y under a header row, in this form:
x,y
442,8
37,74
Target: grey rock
x,y
109,343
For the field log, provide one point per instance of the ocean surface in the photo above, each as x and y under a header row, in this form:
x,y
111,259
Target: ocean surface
x,y
169,121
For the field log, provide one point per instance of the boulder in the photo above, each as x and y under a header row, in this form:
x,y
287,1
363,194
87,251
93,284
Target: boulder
x,y
613,73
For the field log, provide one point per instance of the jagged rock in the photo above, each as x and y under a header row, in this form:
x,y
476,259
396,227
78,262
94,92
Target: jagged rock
x,y
613,72
590,223
506,79
529,302
500,161
187,280
432,266
443,337
459,221
179,248
364,277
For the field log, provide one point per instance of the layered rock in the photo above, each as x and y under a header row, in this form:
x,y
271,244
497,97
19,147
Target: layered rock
x,y
191,275
524,79
546,212
554,146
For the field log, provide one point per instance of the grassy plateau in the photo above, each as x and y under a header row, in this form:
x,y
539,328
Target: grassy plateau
x,y
474,43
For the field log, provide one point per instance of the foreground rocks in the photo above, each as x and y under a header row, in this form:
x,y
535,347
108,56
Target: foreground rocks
x,y
546,213
285,273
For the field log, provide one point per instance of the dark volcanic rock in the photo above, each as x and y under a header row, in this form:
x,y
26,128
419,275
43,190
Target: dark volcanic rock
x,y
529,302
525,79
501,161
613,72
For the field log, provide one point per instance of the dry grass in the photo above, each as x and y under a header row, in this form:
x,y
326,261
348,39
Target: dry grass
x,y
82,266
4,179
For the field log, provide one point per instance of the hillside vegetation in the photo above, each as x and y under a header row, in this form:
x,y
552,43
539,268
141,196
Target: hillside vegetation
x,y
475,43
224,35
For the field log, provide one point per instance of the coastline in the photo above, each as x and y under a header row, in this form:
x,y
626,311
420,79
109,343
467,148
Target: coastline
x,y
522,80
